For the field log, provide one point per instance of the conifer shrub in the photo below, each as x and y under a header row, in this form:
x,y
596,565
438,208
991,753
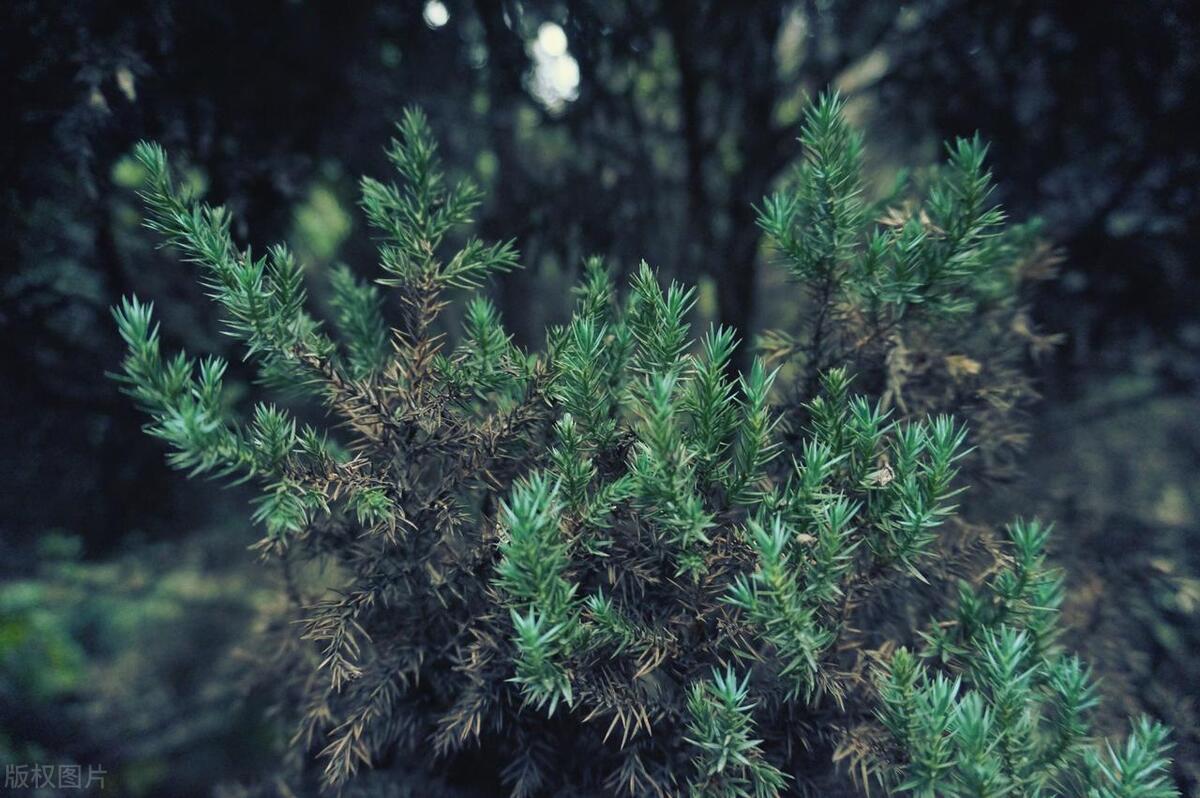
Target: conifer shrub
x,y
917,292
613,566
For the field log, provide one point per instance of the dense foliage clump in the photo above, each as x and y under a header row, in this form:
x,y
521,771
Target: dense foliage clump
x,y
616,566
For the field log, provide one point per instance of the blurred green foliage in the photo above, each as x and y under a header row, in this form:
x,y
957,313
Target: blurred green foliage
x,y
129,664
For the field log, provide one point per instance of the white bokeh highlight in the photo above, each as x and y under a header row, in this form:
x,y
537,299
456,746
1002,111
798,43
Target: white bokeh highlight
x,y
555,78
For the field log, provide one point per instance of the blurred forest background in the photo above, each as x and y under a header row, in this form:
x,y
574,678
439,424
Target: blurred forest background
x,y
630,129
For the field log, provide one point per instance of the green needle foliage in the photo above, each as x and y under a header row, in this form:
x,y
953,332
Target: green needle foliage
x,y
917,293
729,762
612,566
1002,711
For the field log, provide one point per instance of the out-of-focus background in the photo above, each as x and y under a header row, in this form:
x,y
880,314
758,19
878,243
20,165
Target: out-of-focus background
x,y
631,129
